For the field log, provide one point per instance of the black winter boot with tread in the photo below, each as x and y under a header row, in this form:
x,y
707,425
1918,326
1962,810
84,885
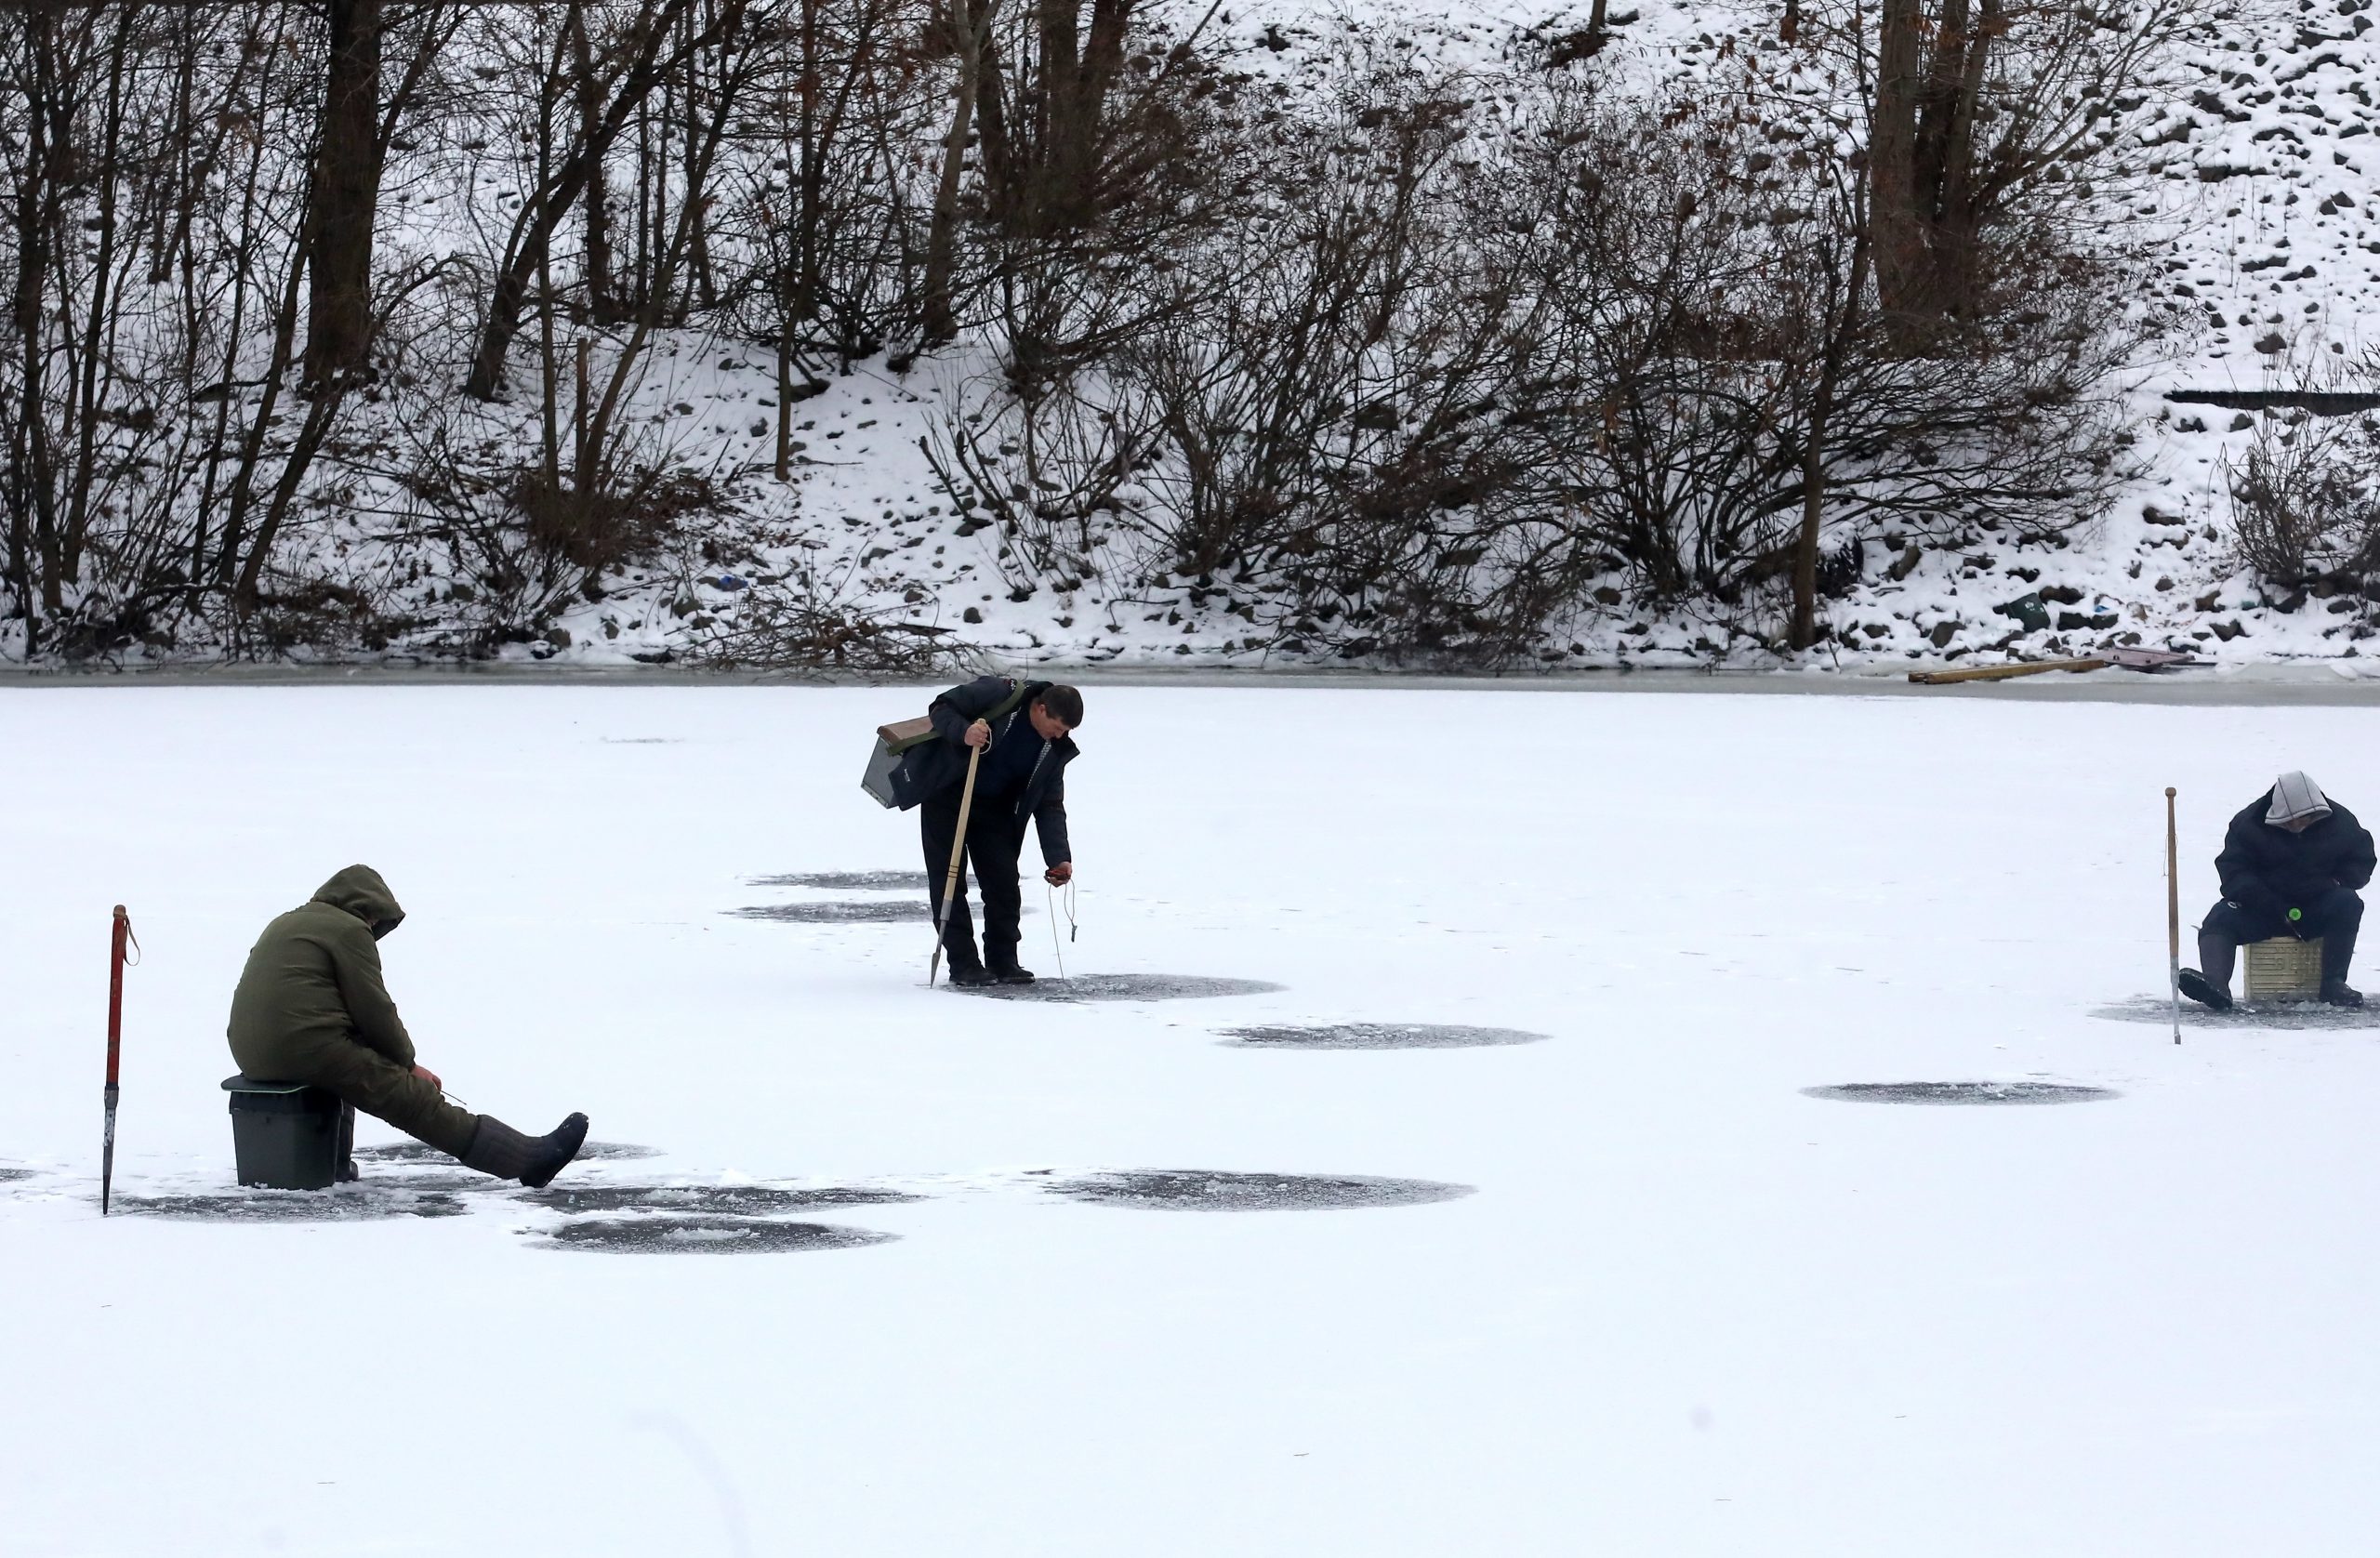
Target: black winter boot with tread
x,y
2204,991
499,1150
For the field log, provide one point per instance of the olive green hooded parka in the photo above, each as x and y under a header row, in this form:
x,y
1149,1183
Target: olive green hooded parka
x,y
311,1007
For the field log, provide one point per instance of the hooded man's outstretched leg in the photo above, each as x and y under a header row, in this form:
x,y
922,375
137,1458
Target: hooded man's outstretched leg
x,y
387,1091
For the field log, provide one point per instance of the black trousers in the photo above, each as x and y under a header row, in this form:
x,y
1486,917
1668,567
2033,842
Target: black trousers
x,y
995,837
2336,917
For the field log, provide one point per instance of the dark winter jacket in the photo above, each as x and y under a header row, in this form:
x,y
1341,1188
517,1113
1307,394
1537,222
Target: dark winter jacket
x,y
939,767
314,980
2269,870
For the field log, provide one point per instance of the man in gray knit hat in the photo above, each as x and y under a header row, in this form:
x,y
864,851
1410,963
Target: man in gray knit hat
x,y
2291,863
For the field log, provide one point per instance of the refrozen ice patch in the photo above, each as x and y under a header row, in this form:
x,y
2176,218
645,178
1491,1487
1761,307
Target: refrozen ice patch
x,y
1377,1036
1202,1190
1962,1092
420,1152
1121,987
348,1203
2280,1014
847,881
836,912
9,1176
735,1199
430,1177
702,1235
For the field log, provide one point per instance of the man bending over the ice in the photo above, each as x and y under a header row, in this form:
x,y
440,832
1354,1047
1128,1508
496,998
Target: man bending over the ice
x,y
1023,729
311,1007
2291,865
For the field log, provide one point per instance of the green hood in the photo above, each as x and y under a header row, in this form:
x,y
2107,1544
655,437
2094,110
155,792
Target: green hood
x,y
361,893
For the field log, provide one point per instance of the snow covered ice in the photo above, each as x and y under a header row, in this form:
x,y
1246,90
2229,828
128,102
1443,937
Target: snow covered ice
x,y
1683,1308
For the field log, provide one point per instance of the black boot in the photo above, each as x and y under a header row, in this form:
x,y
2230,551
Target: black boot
x,y
1009,973
2216,953
348,1172
959,954
2341,920
499,1150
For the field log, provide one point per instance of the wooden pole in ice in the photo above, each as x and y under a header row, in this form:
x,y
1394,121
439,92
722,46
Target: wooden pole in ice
x,y
2172,917
958,855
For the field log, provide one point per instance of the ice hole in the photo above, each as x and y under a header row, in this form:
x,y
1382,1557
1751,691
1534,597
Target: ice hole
x,y
867,911
1962,1092
1121,987
744,1199
2280,1014
702,1235
847,881
1377,1036
1216,1191
348,1203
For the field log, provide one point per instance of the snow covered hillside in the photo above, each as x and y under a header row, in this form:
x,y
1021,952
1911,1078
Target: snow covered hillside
x,y
427,523
1102,1278
2257,203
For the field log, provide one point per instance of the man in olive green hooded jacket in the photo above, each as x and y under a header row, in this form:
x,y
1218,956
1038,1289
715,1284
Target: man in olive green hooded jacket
x,y
311,1007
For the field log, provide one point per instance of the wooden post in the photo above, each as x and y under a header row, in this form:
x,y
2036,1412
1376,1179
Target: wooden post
x,y
958,855
115,1044
2172,917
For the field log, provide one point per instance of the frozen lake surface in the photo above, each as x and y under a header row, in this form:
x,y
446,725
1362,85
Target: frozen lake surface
x,y
1624,1288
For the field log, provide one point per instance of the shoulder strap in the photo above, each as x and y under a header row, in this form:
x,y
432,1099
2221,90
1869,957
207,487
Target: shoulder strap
x,y
1008,705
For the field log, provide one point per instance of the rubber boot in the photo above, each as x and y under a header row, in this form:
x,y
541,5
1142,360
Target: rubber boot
x,y
2338,951
960,957
348,1172
2210,982
499,1150
1010,974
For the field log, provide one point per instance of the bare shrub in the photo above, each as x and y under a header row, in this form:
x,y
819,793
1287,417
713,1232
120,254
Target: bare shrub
x,y
1460,369
2302,502
809,623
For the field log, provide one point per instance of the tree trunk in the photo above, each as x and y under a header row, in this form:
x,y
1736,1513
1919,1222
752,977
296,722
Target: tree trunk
x,y
598,213
969,23
347,196
543,213
1898,228
1959,222
1805,629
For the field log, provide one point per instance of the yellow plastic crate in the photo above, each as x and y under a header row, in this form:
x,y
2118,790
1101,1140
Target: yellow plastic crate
x,y
2282,970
